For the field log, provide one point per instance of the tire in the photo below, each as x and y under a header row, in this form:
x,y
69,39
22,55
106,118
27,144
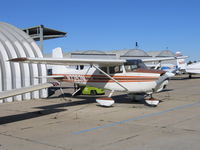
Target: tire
x,y
93,92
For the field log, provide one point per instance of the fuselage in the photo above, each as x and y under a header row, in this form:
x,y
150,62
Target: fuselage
x,y
193,68
131,77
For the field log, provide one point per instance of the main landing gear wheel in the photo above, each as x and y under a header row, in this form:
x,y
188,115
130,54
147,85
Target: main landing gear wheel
x,y
106,101
152,102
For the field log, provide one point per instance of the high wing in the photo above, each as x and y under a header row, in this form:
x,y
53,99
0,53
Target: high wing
x,y
14,92
69,61
162,59
78,61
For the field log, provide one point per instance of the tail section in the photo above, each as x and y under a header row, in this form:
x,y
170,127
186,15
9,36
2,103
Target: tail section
x,y
58,69
181,64
57,53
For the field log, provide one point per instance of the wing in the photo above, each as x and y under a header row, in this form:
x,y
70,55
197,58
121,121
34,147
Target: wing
x,y
14,92
163,59
69,61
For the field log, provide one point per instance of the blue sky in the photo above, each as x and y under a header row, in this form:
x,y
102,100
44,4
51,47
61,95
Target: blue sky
x,y
112,24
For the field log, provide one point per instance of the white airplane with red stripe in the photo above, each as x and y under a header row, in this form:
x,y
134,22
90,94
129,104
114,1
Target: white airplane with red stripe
x,y
131,76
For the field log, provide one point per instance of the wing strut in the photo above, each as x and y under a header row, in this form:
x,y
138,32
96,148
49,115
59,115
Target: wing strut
x,y
109,77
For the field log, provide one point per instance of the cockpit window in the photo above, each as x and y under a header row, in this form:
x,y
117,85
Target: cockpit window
x,y
132,65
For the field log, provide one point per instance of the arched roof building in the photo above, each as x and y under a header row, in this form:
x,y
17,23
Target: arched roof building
x,y
164,53
136,53
16,43
93,52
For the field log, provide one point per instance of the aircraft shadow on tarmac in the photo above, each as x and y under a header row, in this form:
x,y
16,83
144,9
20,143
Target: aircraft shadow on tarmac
x,y
166,90
28,115
56,108
45,110
184,78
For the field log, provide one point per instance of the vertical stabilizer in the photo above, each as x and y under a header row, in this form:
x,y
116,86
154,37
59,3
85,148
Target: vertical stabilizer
x,y
57,53
181,64
58,69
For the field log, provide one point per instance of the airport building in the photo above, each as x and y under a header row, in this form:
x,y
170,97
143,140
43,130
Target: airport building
x,y
14,43
122,54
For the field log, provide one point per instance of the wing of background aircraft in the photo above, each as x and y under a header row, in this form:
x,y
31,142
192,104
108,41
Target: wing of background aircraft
x,y
14,92
162,59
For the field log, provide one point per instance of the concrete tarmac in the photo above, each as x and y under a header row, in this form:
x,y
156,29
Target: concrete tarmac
x,y
80,124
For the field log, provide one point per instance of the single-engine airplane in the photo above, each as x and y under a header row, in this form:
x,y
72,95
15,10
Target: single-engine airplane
x,y
131,76
190,69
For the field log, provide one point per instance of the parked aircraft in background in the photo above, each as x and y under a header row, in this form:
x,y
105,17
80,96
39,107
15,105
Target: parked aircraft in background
x,y
193,68
190,69
131,76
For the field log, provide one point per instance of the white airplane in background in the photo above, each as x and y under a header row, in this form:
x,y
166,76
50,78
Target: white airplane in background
x,y
190,69
131,76
193,68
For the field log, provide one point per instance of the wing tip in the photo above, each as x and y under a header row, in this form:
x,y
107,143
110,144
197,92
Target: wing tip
x,y
18,59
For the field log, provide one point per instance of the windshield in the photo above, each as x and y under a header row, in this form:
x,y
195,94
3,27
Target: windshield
x,y
132,65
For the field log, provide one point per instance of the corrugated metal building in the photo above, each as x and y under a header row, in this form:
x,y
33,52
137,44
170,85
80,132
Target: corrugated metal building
x,y
16,43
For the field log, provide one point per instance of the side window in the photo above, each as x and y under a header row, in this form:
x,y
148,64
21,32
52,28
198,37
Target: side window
x,y
112,70
130,68
49,71
118,69
104,69
115,69
81,67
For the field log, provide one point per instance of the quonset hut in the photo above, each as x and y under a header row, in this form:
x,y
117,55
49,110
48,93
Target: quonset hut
x,y
16,43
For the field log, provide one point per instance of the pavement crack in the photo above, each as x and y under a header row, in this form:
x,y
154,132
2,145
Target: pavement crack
x,y
34,141
127,138
26,128
119,140
190,130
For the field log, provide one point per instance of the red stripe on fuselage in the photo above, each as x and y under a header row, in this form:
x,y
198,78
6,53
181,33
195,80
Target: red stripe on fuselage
x,y
103,78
